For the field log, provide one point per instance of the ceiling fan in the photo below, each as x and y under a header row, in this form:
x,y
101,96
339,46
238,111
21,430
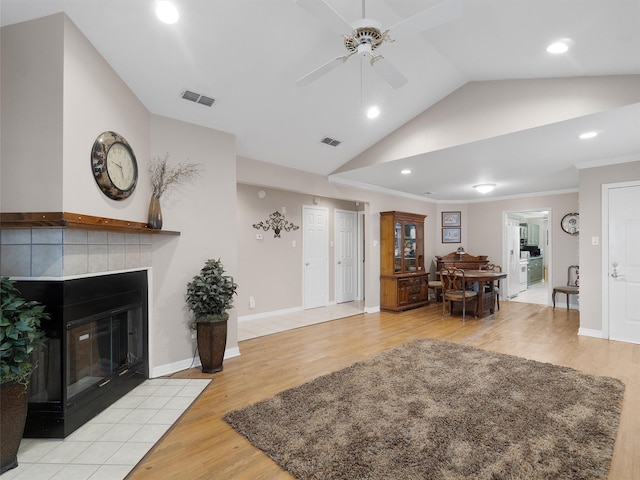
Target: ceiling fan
x,y
366,35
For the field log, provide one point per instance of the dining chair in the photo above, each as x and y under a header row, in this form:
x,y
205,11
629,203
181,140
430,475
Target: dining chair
x,y
454,290
435,284
572,287
496,284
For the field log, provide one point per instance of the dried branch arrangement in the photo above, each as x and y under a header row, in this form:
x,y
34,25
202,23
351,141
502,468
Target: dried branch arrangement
x,y
165,176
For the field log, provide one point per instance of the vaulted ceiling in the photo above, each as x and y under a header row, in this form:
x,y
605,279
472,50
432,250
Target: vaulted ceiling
x,y
248,54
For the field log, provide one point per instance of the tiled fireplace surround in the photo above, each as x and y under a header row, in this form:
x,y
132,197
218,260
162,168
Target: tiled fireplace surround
x,y
59,253
64,252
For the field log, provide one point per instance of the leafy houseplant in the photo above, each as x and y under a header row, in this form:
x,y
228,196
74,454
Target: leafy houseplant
x,y
19,335
209,296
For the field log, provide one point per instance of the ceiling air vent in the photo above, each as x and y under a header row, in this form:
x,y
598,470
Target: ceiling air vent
x,y
197,98
331,141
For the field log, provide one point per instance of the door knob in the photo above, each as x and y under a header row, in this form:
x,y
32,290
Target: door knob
x,y
307,264
339,262
615,273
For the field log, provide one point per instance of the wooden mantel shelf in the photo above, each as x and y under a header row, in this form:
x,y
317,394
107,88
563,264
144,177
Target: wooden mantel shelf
x,y
76,220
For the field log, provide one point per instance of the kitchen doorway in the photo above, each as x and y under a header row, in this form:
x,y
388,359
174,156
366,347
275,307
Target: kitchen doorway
x,y
527,255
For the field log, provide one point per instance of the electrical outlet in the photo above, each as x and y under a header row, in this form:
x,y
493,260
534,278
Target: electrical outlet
x,y
595,240
252,302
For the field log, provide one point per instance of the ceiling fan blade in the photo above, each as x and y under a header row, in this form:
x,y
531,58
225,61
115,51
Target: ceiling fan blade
x,y
320,71
326,13
439,14
390,73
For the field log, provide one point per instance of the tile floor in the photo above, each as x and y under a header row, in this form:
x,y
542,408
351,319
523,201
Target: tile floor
x,y
266,326
536,293
113,442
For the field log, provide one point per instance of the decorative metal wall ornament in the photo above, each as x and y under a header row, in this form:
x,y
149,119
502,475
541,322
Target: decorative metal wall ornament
x,y
277,222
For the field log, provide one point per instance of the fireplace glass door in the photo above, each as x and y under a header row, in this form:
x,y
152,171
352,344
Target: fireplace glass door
x,y
101,348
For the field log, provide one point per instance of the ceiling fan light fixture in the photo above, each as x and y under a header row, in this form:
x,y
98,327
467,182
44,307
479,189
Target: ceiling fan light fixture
x,y
405,171
485,187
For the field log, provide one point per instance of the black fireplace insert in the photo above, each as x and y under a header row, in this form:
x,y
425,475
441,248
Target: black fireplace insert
x,y
95,348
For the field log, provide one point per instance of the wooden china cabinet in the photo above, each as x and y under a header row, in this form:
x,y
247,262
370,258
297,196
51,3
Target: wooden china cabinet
x,y
403,278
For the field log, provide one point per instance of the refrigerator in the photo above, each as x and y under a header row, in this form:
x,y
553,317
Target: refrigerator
x,y
513,261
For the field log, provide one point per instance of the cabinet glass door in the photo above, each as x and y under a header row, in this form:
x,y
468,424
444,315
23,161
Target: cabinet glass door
x,y
397,254
410,264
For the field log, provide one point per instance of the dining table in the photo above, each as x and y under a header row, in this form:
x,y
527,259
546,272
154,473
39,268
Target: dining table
x,y
485,304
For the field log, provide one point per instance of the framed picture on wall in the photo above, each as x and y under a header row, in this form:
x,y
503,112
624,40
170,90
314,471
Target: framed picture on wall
x,y
451,235
451,219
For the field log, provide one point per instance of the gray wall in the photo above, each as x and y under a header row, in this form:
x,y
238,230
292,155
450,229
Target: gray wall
x,y
58,94
591,275
270,270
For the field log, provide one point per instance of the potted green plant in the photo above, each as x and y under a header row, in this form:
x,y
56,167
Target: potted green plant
x,y
209,296
19,335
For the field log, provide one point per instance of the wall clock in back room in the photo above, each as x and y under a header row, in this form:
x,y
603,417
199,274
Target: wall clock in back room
x,y
570,223
114,165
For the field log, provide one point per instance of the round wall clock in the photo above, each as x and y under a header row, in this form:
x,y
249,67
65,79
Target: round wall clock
x,y
570,223
114,165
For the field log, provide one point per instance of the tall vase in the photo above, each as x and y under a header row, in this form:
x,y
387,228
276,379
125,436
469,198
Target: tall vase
x,y
155,213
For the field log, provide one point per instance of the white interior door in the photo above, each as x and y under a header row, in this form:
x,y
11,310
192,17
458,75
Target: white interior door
x,y
315,246
345,255
621,204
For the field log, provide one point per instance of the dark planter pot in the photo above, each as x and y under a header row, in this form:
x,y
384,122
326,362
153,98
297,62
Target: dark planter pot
x,y
13,414
212,341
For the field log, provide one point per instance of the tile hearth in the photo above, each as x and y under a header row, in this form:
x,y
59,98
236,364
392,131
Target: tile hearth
x,y
110,445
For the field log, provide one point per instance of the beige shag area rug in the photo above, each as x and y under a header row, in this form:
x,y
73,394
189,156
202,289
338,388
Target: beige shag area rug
x,y
437,410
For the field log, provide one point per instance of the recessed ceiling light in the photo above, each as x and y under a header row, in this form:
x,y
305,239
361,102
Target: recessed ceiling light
x,y
166,12
405,171
587,135
561,46
484,187
373,112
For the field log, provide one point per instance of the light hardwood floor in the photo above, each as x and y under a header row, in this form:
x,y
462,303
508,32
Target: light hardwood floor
x,y
203,446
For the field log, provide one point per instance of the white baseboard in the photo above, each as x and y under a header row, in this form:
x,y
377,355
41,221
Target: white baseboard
x,y
273,313
171,368
372,309
276,313
589,332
